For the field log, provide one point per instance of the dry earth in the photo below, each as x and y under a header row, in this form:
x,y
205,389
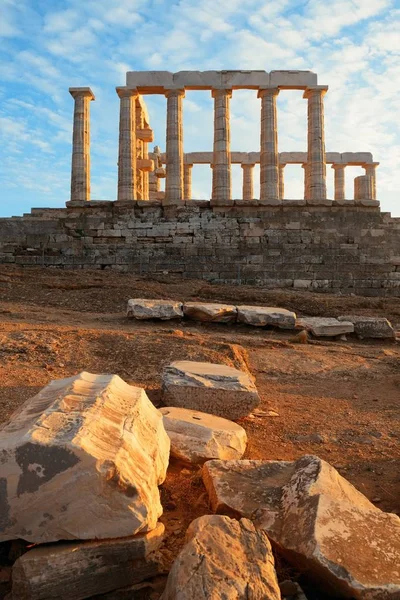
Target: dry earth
x,y
339,400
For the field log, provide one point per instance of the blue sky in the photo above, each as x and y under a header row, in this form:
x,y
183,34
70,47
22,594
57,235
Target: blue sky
x,y
47,46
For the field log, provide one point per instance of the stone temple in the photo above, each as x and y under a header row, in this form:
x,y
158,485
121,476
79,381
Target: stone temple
x,y
317,243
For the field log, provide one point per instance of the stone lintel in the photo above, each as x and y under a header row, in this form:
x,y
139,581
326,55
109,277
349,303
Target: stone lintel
x,y
81,91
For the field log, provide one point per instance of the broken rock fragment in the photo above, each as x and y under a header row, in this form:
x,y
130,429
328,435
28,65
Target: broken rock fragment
x,y
82,460
142,309
197,436
325,326
261,316
210,312
211,388
370,327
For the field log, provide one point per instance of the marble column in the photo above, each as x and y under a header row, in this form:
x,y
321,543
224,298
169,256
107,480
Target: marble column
x,y
370,169
363,187
140,175
187,181
248,190
340,188
174,147
127,144
269,172
281,168
80,170
221,165
306,193
316,158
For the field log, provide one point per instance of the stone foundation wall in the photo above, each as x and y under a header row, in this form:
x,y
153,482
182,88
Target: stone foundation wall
x,y
352,248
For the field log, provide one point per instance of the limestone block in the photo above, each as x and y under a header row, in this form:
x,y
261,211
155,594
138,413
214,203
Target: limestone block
x,y
244,79
212,388
356,157
145,135
149,79
197,436
294,80
333,157
261,316
320,522
198,79
293,157
82,460
325,326
84,569
370,327
145,164
209,312
223,558
140,308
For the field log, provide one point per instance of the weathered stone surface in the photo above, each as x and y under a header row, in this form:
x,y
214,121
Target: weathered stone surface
x,y
318,519
370,327
325,326
198,436
139,308
212,388
223,559
206,312
74,570
82,460
260,316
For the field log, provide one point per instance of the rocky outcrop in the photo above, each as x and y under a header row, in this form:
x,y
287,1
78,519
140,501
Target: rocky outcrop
x,y
207,313
370,327
325,326
142,309
261,316
82,460
211,388
320,522
72,570
197,436
223,559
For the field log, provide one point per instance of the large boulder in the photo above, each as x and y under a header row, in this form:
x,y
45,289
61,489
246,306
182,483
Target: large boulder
x,y
208,387
197,436
370,327
142,309
261,316
206,312
71,570
223,559
320,522
82,460
325,326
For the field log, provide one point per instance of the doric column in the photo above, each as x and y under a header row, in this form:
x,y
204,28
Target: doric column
x,y
187,181
370,169
174,147
221,166
269,172
316,158
363,187
306,193
281,168
127,144
80,171
340,189
248,192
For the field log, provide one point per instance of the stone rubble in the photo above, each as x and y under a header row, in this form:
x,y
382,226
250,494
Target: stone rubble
x,y
370,327
210,312
197,436
325,326
261,316
143,309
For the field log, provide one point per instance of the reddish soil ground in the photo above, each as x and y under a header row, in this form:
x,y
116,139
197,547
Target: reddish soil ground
x,y
338,400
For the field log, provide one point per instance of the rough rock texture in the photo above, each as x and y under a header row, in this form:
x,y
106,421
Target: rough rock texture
x,y
197,436
370,327
73,570
325,326
205,312
207,387
320,522
139,308
82,460
260,316
223,559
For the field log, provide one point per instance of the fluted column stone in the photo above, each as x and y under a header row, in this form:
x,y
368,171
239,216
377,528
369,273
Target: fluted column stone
x,y
269,158
248,188
174,147
80,169
221,166
306,192
363,187
281,168
370,169
187,181
340,188
316,158
127,144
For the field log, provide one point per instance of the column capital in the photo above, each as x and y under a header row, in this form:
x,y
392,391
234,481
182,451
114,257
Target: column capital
x,y
249,165
304,165
267,91
217,92
338,165
81,91
315,90
124,92
174,93
371,164
282,165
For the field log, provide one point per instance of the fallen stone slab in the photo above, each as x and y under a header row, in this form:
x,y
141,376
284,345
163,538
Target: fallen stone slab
x,y
210,313
370,327
212,388
223,558
325,326
71,570
82,460
142,309
198,436
261,316
320,522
